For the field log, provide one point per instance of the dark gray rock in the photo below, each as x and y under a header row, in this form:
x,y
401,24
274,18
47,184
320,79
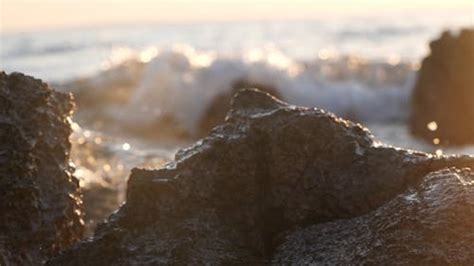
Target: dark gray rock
x,y
444,91
237,195
40,204
429,224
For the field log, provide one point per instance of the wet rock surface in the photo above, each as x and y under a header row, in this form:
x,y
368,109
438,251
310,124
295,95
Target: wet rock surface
x,y
429,224
40,203
246,193
444,91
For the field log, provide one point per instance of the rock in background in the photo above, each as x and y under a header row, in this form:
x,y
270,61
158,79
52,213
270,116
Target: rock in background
x,y
443,97
246,194
40,204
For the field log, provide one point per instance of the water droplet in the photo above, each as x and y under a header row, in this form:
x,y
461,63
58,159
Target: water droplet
x,y
435,141
324,54
432,126
75,126
439,152
126,146
106,167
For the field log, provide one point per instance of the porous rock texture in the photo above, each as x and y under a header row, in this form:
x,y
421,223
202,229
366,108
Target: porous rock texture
x,y
40,205
444,91
248,192
429,224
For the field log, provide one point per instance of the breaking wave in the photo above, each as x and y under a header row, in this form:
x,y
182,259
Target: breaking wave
x,y
182,82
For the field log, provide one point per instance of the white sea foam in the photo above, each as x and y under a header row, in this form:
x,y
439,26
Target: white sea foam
x,y
182,82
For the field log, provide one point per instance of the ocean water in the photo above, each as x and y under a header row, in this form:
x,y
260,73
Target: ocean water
x,y
69,53
362,68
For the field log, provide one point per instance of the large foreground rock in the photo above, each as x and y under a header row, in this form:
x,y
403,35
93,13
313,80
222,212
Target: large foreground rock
x,y
40,206
248,193
443,97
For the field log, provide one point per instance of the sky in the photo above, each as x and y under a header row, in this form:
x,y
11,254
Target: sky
x,y
26,15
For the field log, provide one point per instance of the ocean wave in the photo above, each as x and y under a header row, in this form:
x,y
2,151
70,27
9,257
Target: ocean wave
x,y
182,83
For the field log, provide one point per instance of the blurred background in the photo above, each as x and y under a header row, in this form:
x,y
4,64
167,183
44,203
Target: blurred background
x,y
150,77
63,39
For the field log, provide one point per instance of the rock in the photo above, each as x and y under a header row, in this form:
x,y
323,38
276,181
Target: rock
x,y
40,204
429,224
442,99
218,108
99,98
113,86
271,170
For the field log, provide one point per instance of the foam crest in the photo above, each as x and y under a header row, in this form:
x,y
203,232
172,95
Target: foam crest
x,y
182,82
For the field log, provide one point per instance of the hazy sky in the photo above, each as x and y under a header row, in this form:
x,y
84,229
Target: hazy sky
x,y
19,15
